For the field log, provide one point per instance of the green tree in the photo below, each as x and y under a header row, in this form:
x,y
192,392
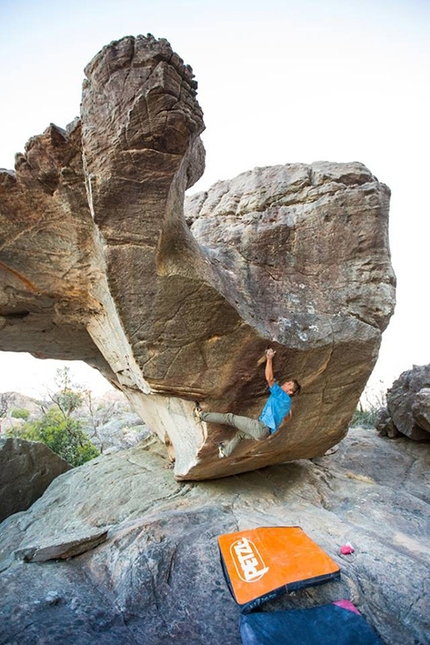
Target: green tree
x,y
57,428
65,437
69,396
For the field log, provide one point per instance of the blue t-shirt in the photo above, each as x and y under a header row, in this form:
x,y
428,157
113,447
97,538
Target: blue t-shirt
x,y
276,409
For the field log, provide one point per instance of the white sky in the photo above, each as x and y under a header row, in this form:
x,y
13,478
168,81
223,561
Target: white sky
x,y
280,81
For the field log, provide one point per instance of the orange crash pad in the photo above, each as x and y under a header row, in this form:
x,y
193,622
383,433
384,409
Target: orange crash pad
x,y
261,563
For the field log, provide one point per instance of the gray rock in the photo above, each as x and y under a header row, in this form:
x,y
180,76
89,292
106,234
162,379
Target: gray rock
x,y
26,470
118,434
408,404
52,598
157,577
421,408
384,424
62,547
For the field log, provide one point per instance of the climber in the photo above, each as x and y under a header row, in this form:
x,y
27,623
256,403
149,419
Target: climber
x,y
277,408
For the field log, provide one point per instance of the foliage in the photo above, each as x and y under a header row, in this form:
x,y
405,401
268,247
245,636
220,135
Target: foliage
x,y
371,402
68,398
57,428
364,418
20,413
65,437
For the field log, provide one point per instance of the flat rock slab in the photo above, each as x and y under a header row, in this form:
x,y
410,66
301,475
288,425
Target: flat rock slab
x,y
62,547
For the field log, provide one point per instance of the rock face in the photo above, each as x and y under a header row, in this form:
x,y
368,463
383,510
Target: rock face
x,y
98,263
157,577
408,403
26,470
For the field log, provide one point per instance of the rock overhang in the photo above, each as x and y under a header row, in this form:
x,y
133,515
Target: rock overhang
x,y
174,306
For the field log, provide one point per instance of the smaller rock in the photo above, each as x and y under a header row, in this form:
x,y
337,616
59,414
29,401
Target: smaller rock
x,y
401,398
421,408
52,598
384,424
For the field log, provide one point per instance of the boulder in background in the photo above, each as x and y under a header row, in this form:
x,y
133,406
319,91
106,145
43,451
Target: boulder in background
x,y
26,470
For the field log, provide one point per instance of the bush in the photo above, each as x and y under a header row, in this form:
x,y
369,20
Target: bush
x,y
20,413
63,435
364,418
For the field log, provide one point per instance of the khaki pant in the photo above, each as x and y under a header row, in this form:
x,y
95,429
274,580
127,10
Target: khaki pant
x,y
247,428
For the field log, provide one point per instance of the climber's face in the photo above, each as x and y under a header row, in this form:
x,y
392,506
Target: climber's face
x,y
289,387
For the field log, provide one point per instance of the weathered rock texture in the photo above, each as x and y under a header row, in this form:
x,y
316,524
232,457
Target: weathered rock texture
x,y
384,424
157,577
98,263
26,470
408,405
61,548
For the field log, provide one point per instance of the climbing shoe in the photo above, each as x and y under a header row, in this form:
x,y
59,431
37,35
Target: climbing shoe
x,y
197,412
221,453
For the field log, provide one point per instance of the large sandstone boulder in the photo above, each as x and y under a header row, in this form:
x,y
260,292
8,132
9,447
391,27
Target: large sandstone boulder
x,y
408,403
156,578
98,263
26,470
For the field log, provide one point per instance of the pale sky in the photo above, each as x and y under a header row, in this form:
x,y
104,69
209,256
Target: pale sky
x,y
280,81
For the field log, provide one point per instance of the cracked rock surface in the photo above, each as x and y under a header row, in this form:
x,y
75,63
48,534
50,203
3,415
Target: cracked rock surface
x,y
157,576
100,261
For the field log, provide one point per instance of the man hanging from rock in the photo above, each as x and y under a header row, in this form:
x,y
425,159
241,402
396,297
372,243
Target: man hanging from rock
x,y
277,408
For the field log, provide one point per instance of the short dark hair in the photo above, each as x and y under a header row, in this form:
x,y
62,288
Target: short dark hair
x,y
297,387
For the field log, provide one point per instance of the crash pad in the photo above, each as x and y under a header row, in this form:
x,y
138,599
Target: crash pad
x,y
261,563
334,624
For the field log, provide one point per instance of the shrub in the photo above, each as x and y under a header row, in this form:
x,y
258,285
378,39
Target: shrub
x,y
20,413
364,418
63,435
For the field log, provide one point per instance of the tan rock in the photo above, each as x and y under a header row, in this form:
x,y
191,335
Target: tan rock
x,y
98,263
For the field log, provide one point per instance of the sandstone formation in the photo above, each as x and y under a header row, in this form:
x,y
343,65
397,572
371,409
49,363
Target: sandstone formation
x,y
157,576
98,263
26,470
408,405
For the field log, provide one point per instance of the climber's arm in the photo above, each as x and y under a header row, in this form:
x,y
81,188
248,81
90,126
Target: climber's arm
x,y
269,367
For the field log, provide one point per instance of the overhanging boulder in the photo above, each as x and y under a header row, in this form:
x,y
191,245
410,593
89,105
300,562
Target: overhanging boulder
x,y
100,263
